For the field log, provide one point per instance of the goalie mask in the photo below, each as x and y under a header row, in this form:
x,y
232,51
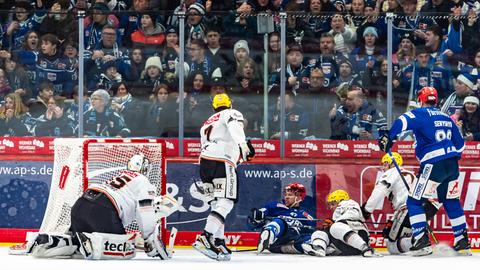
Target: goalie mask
x,y
139,163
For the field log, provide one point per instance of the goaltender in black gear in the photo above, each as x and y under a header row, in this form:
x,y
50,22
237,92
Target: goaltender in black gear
x,y
99,218
223,147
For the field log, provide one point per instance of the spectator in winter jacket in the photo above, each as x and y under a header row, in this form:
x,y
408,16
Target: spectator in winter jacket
x,y
469,120
14,117
60,22
24,22
357,119
297,119
463,88
38,106
130,108
54,122
101,121
369,53
55,67
343,33
107,50
150,36
17,78
93,31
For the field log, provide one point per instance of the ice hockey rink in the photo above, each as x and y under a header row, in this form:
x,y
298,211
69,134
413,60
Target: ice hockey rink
x,y
189,259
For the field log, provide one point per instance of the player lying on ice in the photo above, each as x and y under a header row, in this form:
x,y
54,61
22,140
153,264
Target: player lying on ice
x,y
291,230
397,231
285,226
345,234
99,217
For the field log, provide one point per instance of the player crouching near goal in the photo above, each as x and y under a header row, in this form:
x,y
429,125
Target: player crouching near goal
x,y
285,226
346,233
99,217
223,147
390,184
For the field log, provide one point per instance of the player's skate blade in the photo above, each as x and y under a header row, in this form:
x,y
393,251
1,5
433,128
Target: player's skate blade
x,y
203,246
462,247
311,250
421,247
225,254
369,252
266,239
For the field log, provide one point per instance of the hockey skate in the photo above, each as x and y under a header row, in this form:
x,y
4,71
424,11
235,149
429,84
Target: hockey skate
x,y
421,246
462,246
205,245
266,239
85,245
368,252
313,250
225,254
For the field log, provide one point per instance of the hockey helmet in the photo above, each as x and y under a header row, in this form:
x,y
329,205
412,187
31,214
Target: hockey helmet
x,y
298,189
387,159
337,196
221,100
427,94
139,163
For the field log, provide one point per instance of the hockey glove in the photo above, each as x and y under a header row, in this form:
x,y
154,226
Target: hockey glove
x,y
386,229
385,143
257,216
327,223
365,213
247,151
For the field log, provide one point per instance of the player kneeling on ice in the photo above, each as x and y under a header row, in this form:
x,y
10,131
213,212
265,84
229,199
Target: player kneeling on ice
x,y
346,233
285,226
223,147
99,217
390,184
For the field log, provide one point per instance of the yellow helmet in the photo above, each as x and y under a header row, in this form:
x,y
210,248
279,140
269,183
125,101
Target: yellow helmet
x,y
221,100
398,158
338,196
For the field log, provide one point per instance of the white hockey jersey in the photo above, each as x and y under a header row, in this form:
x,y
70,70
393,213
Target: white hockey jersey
x,y
133,195
390,185
348,210
220,136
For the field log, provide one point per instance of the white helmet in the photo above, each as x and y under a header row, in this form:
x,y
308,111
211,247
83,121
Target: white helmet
x,y
138,163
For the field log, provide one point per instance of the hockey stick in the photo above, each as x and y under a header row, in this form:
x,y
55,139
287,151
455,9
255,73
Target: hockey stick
x,y
171,240
429,230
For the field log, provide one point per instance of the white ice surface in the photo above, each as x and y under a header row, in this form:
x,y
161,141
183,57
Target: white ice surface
x,y
191,260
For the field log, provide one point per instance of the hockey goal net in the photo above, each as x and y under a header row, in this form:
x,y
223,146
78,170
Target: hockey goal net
x,y
79,162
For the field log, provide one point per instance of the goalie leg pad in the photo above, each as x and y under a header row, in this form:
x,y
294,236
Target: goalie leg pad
x,y
400,224
51,246
107,246
154,246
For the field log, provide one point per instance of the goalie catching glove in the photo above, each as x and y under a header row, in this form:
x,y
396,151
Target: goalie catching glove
x,y
247,151
165,205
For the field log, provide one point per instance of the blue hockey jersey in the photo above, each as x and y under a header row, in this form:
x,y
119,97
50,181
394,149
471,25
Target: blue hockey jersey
x,y
437,136
275,209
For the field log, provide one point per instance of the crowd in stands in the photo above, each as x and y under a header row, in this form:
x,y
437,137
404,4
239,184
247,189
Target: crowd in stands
x,y
336,65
